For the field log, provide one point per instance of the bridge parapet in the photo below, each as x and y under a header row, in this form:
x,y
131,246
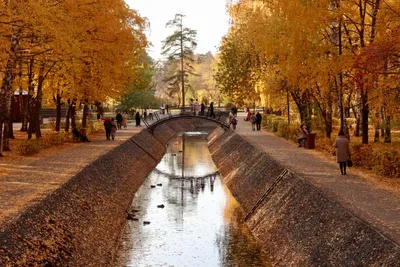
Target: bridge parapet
x,y
220,118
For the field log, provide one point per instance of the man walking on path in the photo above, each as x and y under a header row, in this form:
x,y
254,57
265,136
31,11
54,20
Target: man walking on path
x,y
253,120
258,121
119,120
107,127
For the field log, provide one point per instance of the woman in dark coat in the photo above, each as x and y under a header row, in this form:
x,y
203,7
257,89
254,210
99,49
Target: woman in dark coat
x,y
212,110
342,146
258,121
137,117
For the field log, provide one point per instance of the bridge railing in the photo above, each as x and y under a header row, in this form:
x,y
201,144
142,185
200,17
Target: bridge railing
x,y
220,117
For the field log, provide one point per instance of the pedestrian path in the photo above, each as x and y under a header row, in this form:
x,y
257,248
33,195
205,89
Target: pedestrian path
x,y
378,206
26,182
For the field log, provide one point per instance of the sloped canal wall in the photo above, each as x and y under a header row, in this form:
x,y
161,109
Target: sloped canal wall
x,y
294,222
79,223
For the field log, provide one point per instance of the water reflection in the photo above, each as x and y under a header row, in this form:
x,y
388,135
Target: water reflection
x,y
200,223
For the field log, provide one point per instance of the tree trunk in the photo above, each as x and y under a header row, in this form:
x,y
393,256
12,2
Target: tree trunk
x,y
357,115
328,125
58,109
10,122
73,113
6,139
6,90
28,104
33,124
365,114
388,135
303,103
84,117
376,136
68,117
1,139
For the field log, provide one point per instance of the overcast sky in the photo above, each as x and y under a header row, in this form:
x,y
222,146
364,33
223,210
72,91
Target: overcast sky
x,y
208,17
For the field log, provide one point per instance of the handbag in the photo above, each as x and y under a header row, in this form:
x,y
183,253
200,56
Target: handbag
x,y
349,163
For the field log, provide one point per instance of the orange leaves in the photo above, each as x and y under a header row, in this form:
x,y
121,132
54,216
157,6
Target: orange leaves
x,y
95,45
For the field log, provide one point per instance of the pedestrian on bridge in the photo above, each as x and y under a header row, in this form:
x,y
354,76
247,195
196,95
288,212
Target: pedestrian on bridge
x,y
211,109
202,108
150,113
196,107
234,122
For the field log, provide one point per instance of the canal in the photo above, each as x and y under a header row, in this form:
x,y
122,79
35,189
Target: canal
x,y
185,216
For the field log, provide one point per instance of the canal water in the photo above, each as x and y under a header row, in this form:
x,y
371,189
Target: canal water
x,y
186,216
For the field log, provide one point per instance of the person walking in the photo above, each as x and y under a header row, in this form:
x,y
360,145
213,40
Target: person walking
x,y
191,105
113,129
202,108
258,120
212,110
137,118
150,113
234,122
119,120
230,118
342,145
303,133
253,120
107,127
125,120
196,107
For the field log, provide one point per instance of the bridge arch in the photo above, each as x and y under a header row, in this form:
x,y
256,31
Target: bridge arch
x,y
220,118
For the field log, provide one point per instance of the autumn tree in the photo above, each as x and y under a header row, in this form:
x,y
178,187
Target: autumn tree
x,y
203,83
73,52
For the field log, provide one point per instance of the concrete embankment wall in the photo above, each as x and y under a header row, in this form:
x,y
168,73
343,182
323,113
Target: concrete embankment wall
x,y
296,223
79,224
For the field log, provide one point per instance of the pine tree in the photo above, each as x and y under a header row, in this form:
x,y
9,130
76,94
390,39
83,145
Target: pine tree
x,y
180,46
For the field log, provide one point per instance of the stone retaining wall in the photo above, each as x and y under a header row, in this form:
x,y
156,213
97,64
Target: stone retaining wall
x,y
79,223
296,224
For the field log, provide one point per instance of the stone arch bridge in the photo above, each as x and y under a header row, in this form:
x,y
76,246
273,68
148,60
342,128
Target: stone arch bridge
x,y
221,118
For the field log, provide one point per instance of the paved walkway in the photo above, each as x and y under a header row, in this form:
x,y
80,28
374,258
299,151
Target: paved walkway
x,y
23,183
377,205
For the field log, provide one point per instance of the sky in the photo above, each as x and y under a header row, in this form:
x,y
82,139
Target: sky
x,y
208,17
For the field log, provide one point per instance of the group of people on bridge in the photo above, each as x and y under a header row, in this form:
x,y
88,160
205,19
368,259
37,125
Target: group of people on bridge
x,y
199,109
